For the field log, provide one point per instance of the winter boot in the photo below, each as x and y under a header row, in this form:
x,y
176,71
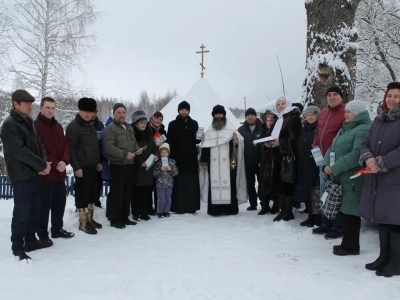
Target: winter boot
x,y
317,220
384,254
21,255
282,208
118,225
310,221
275,208
84,224
393,266
129,222
307,209
62,233
145,217
90,216
251,208
288,209
264,208
37,244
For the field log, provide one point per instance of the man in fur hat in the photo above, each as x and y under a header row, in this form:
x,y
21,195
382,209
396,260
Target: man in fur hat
x,y
223,156
86,162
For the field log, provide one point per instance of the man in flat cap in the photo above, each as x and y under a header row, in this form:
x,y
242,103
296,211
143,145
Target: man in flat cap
x,y
222,154
86,162
26,159
181,136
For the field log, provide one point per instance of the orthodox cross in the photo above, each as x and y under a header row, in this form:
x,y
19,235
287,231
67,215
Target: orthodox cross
x,y
202,59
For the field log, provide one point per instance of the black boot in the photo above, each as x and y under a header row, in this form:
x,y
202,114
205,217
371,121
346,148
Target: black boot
x,y
384,254
118,225
264,208
36,245
62,233
21,255
307,209
310,221
275,207
282,208
393,266
317,220
289,201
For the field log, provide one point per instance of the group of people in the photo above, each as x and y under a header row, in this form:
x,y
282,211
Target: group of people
x,y
153,171
348,143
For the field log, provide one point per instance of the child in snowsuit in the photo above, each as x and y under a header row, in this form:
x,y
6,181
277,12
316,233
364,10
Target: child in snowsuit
x,y
164,171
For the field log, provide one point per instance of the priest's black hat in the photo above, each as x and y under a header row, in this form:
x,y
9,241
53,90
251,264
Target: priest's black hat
x,y
184,105
218,109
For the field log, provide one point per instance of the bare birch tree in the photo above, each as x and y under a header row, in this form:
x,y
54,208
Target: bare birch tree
x,y
5,25
378,58
52,39
331,49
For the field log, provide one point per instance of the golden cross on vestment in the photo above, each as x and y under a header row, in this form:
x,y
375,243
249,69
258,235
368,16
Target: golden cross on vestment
x,y
202,47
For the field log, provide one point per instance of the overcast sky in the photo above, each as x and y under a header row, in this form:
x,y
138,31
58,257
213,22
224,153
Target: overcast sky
x,y
151,45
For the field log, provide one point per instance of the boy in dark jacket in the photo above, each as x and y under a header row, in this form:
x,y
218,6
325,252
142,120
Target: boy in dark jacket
x,y
164,180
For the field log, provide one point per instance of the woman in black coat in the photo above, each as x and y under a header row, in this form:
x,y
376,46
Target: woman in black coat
x,y
287,130
142,178
308,171
266,184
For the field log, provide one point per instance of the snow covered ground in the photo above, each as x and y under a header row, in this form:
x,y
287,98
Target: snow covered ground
x,y
192,257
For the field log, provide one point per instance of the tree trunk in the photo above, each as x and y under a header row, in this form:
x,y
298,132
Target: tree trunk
x,y
331,49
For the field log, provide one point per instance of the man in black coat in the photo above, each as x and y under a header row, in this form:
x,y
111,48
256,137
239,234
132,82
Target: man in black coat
x,y
251,130
86,162
182,140
26,159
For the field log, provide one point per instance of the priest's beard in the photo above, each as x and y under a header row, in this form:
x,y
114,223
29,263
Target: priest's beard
x,y
219,124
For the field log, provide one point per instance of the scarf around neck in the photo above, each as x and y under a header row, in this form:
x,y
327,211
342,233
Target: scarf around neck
x,y
278,124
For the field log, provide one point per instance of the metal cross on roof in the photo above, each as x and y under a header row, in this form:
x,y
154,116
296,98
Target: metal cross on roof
x,y
202,47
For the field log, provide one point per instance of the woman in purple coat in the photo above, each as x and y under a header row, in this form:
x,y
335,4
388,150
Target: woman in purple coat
x,y
380,202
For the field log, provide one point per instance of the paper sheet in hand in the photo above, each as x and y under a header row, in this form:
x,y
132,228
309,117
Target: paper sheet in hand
x,y
161,139
164,161
361,172
264,140
199,134
317,154
150,162
323,197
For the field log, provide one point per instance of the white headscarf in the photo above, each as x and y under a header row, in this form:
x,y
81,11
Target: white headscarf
x,y
278,125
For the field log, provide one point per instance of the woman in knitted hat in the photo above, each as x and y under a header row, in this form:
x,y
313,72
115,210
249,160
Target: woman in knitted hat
x,y
380,202
142,177
308,170
346,152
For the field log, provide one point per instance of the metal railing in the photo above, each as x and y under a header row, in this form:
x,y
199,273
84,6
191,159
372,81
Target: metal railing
x,y
6,191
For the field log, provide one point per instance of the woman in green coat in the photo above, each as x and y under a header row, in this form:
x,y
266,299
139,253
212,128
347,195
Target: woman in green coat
x,y
346,148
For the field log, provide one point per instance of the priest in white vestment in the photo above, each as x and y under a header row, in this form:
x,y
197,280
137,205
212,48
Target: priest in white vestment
x,y
227,183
